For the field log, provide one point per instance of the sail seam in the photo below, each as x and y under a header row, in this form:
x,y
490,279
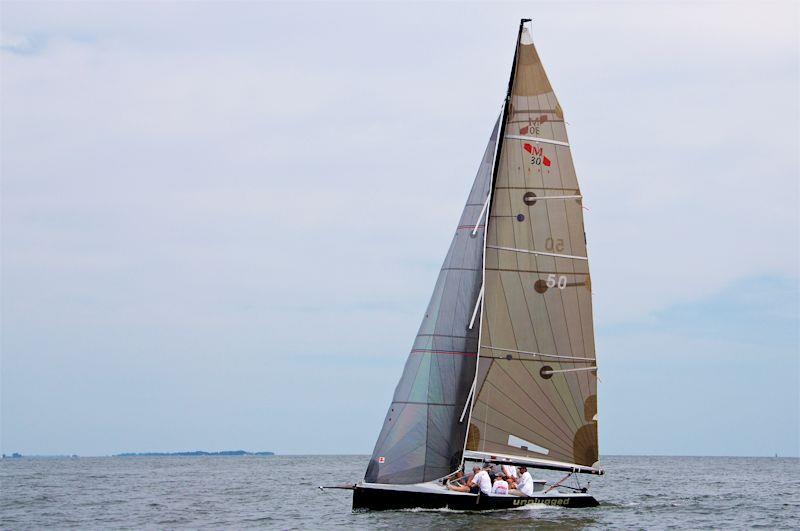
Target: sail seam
x,y
442,352
555,408
423,403
557,433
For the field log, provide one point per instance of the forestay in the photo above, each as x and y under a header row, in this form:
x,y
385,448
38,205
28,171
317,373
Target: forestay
x,y
536,380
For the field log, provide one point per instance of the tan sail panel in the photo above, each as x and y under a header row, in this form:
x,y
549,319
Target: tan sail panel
x,y
537,289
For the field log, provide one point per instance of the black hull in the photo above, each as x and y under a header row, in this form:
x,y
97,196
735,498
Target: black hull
x,y
365,498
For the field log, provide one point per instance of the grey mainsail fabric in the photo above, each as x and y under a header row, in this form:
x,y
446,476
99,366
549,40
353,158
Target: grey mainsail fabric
x,y
422,437
537,315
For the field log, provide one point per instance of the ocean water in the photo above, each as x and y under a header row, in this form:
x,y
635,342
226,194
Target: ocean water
x,y
280,492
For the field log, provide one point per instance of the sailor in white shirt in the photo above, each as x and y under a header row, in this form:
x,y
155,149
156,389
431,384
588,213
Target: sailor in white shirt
x,y
483,482
480,482
524,483
510,471
500,486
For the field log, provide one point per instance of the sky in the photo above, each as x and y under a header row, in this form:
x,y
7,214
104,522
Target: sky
x,y
222,222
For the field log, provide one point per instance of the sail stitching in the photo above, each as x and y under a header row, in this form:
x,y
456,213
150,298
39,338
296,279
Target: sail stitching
x,y
562,295
558,390
552,446
557,433
511,321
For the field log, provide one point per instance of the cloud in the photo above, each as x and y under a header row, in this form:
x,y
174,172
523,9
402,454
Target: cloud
x,y
19,44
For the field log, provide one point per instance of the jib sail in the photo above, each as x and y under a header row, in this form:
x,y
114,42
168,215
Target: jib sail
x,y
423,434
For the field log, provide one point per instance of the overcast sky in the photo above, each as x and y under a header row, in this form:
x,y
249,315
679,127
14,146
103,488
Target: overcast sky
x,y
221,222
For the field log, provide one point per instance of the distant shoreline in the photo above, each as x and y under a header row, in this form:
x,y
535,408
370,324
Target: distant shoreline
x,y
195,453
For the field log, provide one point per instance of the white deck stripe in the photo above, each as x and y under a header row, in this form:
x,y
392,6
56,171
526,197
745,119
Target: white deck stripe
x,y
538,139
512,249
537,353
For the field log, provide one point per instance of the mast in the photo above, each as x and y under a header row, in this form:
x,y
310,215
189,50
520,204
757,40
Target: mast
x,y
488,207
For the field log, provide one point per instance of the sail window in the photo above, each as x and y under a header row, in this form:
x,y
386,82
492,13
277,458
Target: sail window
x,y
528,446
540,286
520,217
529,198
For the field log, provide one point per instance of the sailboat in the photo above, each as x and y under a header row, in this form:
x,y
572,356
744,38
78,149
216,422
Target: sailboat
x,y
503,370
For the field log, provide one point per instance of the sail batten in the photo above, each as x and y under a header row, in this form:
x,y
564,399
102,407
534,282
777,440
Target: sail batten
x,y
538,139
531,251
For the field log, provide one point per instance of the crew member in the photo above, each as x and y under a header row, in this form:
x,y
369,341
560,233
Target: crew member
x,y
524,485
480,482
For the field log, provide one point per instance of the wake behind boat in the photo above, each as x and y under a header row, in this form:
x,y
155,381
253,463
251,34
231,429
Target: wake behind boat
x,y
503,368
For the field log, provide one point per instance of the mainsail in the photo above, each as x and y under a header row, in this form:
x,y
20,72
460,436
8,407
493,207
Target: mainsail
x,y
423,434
536,381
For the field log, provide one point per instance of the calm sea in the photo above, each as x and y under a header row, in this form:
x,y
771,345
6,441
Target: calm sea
x,y
281,492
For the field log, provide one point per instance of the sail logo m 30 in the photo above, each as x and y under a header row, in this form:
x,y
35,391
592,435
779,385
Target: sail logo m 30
x,y
537,155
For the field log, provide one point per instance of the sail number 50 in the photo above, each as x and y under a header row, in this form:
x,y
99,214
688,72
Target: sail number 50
x,y
556,245
556,281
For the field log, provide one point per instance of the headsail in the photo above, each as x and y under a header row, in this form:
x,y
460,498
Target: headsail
x,y
423,435
537,390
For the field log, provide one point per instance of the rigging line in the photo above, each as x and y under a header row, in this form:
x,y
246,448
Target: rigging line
x,y
538,139
559,483
515,250
480,216
554,371
477,306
